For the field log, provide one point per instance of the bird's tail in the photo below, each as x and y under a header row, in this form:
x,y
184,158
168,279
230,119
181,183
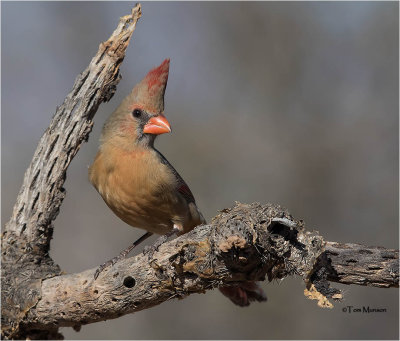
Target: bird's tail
x,y
202,219
244,293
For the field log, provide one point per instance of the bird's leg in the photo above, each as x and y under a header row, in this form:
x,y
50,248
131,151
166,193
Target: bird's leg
x,y
122,255
149,250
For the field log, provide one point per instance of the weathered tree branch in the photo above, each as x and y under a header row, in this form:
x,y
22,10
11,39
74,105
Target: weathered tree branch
x,y
247,242
42,190
26,237
360,264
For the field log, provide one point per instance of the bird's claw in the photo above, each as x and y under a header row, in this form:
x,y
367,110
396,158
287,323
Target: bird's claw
x,y
149,251
99,270
121,256
107,264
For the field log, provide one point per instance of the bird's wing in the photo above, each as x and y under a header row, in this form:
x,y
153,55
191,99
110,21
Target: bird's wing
x,y
182,187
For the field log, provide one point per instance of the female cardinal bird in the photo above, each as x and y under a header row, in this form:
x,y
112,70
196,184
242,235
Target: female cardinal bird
x,y
138,183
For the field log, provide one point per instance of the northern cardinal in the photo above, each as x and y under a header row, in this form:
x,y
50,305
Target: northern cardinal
x,y
138,183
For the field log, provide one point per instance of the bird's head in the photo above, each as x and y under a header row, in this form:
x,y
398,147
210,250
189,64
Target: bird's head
x,y
140,116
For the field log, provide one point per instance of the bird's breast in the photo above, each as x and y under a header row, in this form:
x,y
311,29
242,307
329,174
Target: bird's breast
x,y
139,190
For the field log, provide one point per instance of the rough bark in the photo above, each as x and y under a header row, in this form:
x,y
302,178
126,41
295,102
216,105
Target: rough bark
x,y
246,242
359,264
26,237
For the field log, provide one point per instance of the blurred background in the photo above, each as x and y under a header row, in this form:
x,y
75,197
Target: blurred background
x,y
282,102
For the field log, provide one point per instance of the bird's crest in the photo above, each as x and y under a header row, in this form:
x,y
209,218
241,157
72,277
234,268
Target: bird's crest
x,y
149,93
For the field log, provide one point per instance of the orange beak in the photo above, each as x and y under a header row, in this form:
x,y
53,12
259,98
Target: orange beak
x,y
157,125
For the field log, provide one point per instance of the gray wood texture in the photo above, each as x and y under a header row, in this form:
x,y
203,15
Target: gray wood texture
x,y
26,237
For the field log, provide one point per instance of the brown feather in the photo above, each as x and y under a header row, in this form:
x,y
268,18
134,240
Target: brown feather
x,y
141,190
138,183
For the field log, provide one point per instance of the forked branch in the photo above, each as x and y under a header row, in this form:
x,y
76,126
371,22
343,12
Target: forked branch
x,y
246,242
26,237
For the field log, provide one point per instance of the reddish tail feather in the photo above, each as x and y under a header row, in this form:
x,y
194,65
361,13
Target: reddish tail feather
x,y
244,293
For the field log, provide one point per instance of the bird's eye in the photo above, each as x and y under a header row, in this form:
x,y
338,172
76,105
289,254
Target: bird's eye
x,y
137,113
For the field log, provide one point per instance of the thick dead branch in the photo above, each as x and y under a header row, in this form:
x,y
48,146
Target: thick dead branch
x,y
26,237
247,242
42,190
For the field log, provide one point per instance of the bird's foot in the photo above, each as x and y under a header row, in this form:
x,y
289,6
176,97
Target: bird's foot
x,y
149,250
121,256
111,262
